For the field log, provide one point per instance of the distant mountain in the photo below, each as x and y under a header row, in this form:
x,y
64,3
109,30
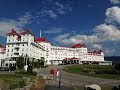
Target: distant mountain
x,y
114,59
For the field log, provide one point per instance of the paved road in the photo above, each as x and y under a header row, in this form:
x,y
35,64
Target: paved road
x,y
70,80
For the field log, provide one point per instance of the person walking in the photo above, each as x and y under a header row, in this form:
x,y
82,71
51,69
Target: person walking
x,y
57,73
58,77
52,72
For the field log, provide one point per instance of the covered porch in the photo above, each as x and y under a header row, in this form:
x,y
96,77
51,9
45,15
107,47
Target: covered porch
x,y
71,60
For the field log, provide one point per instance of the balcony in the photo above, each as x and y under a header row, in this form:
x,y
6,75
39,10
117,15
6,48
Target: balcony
x,y
16,53
17,48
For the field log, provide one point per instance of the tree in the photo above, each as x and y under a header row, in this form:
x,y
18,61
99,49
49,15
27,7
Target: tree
x,y
20,62
37,64
29,70
42,61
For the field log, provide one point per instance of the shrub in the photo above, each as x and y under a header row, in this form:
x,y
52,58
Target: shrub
x,y
12,68
20,62
14,86
22,83
117,67
29,69
85,70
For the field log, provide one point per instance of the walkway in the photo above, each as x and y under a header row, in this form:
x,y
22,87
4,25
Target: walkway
x,y
70,81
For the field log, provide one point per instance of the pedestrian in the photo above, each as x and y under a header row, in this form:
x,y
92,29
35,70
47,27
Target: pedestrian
x,y
57,74
58,77
52,72
59,82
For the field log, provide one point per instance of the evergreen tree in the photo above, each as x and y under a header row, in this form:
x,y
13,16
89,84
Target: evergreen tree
x,y
20,62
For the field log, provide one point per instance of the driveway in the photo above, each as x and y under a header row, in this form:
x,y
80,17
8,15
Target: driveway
x,y
71,81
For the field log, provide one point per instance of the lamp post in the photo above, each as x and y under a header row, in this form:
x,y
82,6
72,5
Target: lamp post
x,y
26,66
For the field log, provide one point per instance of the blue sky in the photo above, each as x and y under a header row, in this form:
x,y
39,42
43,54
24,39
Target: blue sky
x,y
65,22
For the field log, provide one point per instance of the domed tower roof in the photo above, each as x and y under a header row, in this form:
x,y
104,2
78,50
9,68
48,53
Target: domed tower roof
x,y
78,45
41,40
27,31
13,32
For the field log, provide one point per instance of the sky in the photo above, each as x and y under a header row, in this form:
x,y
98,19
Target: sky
x,y
95,23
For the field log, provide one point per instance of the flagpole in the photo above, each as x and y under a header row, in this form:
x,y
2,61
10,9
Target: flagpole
x,y
40,33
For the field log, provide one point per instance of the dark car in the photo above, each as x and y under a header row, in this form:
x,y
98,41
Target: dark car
x,y
2,69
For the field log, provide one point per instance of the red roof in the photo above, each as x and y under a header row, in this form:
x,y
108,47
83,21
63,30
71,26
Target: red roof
x,y
19,37
2,46
99,52
27,31
13,32
66,59
74,58
41,40
78,45
96,52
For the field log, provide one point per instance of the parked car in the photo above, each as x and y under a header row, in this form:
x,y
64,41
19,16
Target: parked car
x,y
2,69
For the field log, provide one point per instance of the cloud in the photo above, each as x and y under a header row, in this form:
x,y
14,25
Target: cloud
x,y
62,38
22,21
103,34
7,24
54,30
113,15
54,9
107,33
115,1
50,13
6,27
97,46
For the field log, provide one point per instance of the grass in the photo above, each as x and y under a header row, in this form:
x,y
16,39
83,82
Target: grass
x,y
14,80
94,70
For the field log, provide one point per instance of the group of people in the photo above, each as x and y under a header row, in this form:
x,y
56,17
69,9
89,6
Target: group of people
x,y
56,74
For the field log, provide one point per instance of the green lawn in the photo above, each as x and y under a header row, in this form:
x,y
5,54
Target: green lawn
x,y
94,70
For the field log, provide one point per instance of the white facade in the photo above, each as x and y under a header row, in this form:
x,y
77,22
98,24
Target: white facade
x,y
56,54
25,44
2,55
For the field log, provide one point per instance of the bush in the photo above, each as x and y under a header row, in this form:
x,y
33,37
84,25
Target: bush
x,y
34,73
18,84
29,70
12,68
14,86
20,62
22,83
117,67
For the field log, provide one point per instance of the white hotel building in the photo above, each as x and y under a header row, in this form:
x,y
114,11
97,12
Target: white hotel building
x,y
25,44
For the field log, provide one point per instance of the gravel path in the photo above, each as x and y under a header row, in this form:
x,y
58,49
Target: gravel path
x,y
69,80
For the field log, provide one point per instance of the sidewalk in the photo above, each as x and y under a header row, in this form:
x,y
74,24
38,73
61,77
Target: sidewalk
x,y
53,85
